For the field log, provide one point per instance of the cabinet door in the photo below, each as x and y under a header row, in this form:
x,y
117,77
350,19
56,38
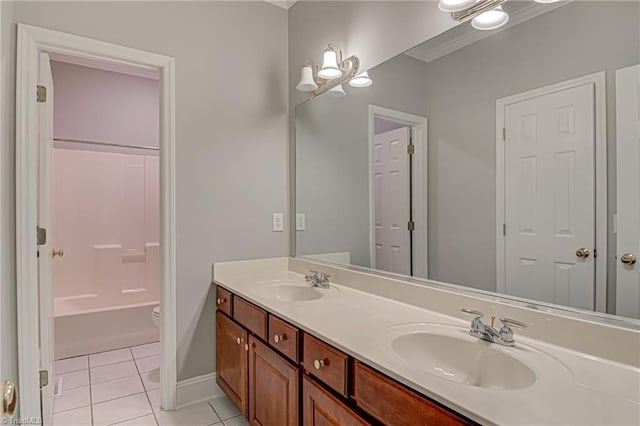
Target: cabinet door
x,y
320,408
273,387
231,361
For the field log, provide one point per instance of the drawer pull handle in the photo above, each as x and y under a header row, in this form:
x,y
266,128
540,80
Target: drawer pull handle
x,y
318,364
220,301
279,338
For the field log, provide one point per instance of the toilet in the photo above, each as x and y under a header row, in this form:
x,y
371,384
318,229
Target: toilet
x,y
155,316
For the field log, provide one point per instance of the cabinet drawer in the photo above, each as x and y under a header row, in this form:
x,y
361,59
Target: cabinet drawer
x,y
250,316
320,408
399,405
325,363
283,337
223,300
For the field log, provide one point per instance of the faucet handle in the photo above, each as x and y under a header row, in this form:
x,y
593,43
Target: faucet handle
x,y
512,323
478,314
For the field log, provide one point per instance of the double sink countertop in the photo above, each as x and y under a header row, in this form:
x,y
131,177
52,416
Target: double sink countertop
x,y
567,387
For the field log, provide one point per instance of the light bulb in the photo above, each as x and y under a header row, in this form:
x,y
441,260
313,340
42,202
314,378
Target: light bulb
x,y
491,19
361,80
336,92
306,84
330,70
455,5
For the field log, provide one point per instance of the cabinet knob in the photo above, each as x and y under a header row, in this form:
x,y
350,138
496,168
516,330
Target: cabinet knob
x,y
246,347
279,338
318,364
220,300
239,340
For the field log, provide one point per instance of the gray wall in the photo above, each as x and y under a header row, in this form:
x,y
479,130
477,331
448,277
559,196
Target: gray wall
x,y
231,133
333,157
460,91
8,326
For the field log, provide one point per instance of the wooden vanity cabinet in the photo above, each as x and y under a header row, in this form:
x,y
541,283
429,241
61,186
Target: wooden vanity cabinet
x,y
273,387
231,361
320,408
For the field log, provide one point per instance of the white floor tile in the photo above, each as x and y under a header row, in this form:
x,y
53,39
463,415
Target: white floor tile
x,y
70,364
224,407
77,417
121,409
154,398
151,379
72,398
113,371
143,351
149,363
148,420
118,388
73,380
236,421
200,414
111,357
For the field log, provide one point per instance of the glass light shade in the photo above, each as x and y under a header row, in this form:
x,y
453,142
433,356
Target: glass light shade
x,y
306,84
546,1
361,80
455,5
330,70
336,92
491,19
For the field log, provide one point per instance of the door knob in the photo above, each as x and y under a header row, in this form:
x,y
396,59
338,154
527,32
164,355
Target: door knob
x,y
9,399
58,253
582,253
628,259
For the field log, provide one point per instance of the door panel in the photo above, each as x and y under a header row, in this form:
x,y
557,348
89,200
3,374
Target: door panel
x,y
231,361
550,197
45,129
273,387
628,149
320,408
392,206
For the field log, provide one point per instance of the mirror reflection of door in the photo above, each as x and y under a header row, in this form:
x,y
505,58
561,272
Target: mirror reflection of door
x,y
391,168
549,192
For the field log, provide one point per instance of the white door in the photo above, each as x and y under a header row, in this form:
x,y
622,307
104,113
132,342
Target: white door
x,y
550,197
392,206
628,148
45,137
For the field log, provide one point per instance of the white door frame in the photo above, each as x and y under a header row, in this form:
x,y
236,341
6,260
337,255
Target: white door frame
x,y
599,81
32,40
419,133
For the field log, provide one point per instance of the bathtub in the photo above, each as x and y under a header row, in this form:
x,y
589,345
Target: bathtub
x,y
81,329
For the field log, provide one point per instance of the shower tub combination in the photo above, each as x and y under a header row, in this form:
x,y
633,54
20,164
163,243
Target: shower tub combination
x,y
107,222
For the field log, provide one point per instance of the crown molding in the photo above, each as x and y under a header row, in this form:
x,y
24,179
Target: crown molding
x,y
285,4
522,15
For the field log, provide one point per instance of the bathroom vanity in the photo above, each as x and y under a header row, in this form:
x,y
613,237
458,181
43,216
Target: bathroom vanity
x,y
371,350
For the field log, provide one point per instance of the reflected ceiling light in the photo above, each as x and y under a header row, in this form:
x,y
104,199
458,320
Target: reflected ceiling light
x,y
361,80
546,1
491,19
454,5
333,73
336,92
307,83
330,69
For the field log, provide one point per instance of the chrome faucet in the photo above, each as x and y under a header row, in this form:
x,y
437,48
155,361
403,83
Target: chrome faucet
x,y
503,336
318,279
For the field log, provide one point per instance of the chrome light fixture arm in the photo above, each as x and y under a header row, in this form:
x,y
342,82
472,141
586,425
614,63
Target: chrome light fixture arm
x,y
476,9
349,68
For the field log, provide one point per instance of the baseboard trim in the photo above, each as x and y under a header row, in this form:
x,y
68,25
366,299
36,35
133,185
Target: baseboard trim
x,y
197,389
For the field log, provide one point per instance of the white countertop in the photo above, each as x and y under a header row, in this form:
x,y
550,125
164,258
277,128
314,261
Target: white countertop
x,y
594,391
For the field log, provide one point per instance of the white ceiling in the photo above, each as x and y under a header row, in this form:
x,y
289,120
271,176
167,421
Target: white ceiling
x,y
285,4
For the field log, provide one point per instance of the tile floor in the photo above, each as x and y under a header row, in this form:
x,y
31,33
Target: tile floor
x,y
123,387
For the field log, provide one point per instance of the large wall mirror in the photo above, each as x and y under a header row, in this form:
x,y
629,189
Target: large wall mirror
x,y
506,161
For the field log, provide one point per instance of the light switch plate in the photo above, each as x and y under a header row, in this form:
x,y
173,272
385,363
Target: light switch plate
x,y
278,222
301,223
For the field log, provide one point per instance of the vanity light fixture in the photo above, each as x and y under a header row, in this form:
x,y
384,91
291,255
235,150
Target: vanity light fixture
x,y
454,5
336,92
361,80
331,75
546,1
491,19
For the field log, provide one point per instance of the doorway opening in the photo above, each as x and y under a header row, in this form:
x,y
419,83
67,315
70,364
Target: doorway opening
x,y
92,191
398,237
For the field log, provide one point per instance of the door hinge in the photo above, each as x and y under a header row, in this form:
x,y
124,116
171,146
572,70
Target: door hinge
x,y
41,94
411,149
595,253
411,225
44,378
504,229
41,236
504,133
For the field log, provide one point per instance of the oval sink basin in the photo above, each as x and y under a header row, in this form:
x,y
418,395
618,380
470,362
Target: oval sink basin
x,y
450,353
290,291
